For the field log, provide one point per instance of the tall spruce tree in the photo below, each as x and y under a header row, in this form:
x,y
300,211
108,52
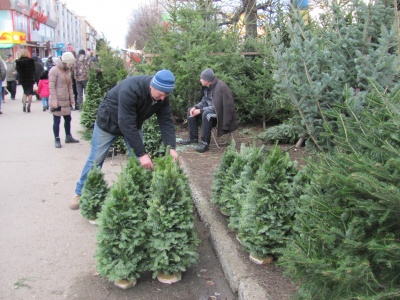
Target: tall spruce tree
x,y
347,230
172,239
351,44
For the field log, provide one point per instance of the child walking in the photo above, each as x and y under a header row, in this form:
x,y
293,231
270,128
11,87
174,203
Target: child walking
x,y
43,89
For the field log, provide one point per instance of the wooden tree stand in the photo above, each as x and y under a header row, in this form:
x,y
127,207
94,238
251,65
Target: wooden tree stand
x,y
125,284
169,279
261,261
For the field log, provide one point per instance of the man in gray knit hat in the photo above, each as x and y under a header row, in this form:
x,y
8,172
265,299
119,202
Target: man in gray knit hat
x,y
216,108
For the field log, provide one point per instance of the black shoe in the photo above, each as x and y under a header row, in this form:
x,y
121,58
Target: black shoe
x,y
58,143
44,108
201,147
24,108
29,108
70,139
188,141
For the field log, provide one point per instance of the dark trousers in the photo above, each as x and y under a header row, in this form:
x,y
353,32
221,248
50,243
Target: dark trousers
x,y
206,127
12,88
56,125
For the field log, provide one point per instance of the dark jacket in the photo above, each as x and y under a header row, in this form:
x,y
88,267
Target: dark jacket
x,y
38,69
26,70
224,106
127,105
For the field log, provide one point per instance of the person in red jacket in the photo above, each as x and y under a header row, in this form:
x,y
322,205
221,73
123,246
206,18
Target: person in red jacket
x,y
43,89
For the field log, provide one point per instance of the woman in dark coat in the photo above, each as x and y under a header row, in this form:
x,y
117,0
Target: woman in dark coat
x,y
25,66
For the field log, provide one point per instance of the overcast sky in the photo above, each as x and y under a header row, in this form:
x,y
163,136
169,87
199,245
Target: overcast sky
x,y
108,17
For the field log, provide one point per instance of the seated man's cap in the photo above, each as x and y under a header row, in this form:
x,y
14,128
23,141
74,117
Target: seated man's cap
x,y
164,81
207,75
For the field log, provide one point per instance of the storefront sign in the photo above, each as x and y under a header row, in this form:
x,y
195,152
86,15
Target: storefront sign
x,y
12,37
39,16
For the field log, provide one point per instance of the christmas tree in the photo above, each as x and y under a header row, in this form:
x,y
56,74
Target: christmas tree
x,y
347,230
123,232
268,209
94,194
172,241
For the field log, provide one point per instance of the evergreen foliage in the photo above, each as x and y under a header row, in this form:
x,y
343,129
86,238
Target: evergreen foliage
x,y
353,44
284,133
220,175
253,158
152,137
267,209
123,231
192,40
172,239
347,229
94,194
236,164
94,94
113,71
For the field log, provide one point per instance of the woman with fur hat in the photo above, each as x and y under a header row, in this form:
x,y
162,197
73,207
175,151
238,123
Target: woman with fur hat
x,y
25,66
62,97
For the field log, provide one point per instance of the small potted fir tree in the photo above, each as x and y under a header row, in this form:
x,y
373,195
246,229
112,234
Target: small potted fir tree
x,y
94,193
267,213
173,240
122,238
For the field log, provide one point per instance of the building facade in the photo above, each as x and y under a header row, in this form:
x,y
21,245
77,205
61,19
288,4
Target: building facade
x,y
44,27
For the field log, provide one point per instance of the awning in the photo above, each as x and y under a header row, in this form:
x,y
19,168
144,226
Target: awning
x,y
6,46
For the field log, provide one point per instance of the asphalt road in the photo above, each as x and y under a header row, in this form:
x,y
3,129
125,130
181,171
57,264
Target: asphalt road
x,y
46,249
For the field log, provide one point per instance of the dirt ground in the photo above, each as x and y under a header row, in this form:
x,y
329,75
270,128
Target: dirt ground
x,y
203,165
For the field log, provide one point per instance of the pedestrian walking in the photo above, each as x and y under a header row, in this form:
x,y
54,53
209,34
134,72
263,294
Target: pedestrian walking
x,y
11,77
39,68
62,97
81,75
43,89
26,76
3,72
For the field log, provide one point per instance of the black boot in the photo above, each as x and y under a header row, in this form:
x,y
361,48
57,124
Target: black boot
x,y
188,141
28,108
58,143
201,147
23,108
70,139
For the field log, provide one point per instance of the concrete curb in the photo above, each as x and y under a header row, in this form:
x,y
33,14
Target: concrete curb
x,y
225,248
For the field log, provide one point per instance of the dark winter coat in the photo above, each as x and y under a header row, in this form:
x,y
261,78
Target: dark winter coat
x,y
38,69
60,84
127,105
224,106
26,70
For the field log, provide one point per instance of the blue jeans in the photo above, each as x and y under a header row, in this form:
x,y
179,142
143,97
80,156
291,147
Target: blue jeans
x,y
45,101
101,143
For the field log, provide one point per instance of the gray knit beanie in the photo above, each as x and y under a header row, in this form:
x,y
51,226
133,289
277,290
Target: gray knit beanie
x,y
207,75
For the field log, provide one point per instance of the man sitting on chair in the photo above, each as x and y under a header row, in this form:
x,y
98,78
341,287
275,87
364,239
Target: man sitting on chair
x,y
216,108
